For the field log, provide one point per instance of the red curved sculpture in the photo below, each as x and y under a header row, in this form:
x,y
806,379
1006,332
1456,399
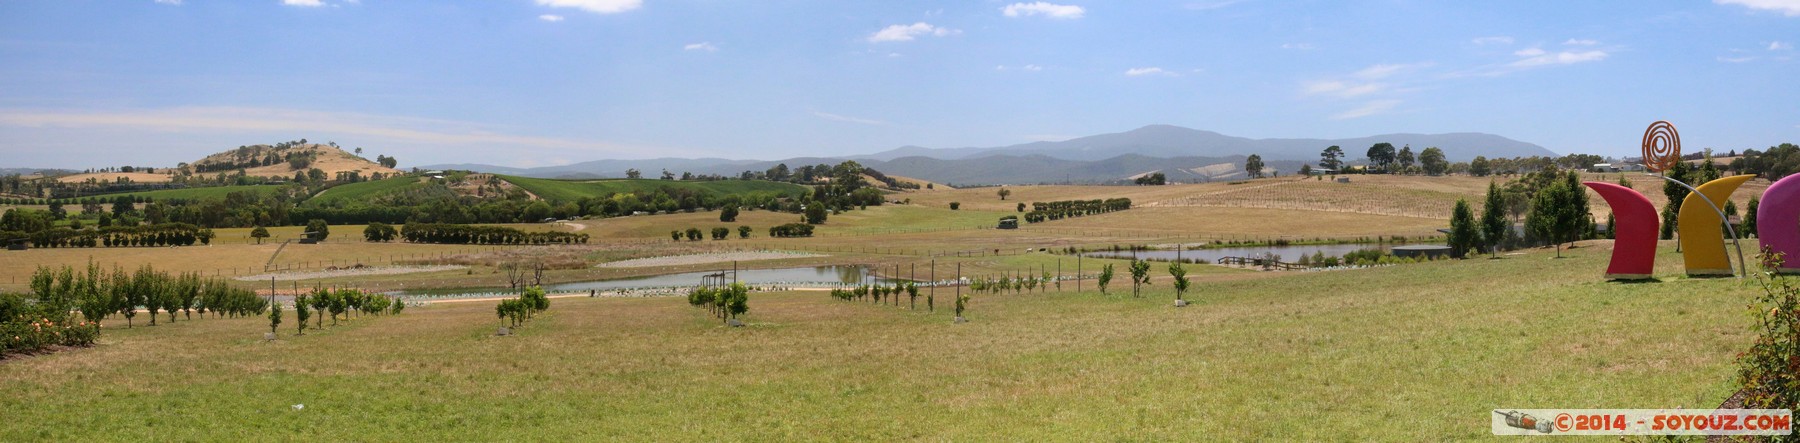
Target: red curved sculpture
x,y
1778,221
1634,231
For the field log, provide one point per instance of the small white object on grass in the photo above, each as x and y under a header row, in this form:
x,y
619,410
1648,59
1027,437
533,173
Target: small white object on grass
x,y
299,407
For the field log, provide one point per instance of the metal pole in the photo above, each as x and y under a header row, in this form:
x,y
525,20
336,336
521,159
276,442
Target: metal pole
x,y
1743,267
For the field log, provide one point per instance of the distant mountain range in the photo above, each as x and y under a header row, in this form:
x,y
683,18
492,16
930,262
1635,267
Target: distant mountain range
x,y
1183,154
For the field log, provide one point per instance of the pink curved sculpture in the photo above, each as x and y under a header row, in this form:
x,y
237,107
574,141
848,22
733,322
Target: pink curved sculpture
x,y
1778,221
1634,233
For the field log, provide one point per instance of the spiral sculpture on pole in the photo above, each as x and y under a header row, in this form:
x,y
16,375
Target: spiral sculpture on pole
x,y
1662,146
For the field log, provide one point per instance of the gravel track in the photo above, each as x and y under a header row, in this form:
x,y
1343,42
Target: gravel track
x,y
697,259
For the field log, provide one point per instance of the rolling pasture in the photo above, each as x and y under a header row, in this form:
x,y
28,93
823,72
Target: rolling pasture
x,y
1407,352
1319,356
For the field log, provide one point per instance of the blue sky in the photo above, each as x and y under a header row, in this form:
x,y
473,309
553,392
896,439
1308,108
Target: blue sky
x,y
87,83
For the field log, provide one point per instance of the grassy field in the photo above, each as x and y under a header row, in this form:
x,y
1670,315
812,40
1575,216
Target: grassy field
x,y
570,190
1392,195
1407,353
362,191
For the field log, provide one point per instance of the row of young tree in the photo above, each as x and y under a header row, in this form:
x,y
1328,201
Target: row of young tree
x,y
1384,158
1057,210
484,235
523,308
97,294
167,234
725,302
718,233
891,293
335,303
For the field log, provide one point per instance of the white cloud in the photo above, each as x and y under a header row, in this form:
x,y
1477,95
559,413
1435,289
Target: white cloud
x,y
1139,72
1495,40
902,33
1580,42
848,119
170,2
303,3
1297,46
1031,68
1379,71
1560,58
702,46
1790,8
595,6
1735,59
550,18
1371,108
1777,46
1342,89
383,128
1529,52
1046,9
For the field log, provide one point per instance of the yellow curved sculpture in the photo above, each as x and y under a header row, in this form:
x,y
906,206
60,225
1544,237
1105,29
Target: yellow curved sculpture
x,y
1702,237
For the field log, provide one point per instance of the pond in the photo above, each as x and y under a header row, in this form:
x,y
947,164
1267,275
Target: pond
x,y
802,277
1288,253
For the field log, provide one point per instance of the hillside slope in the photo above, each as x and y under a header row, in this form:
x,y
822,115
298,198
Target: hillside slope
x,y
255,161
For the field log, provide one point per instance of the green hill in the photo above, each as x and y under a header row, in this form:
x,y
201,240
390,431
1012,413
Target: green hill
x,y
569,190
364,191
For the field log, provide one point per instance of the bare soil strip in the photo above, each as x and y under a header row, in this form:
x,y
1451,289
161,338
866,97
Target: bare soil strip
x,y
349,272
698,259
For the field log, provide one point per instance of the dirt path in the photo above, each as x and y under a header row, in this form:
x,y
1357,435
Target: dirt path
x,y
700,259
349,272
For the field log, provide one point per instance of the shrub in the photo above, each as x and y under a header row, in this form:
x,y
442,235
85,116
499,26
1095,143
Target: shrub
x,y
486,235
1106,276
274,317
316,229
301,313
1181,280
721,233
379,232
955,205
791,230
743,232
1769,372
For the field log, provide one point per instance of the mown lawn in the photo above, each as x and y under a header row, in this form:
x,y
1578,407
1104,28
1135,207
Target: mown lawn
x,y
1413,352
